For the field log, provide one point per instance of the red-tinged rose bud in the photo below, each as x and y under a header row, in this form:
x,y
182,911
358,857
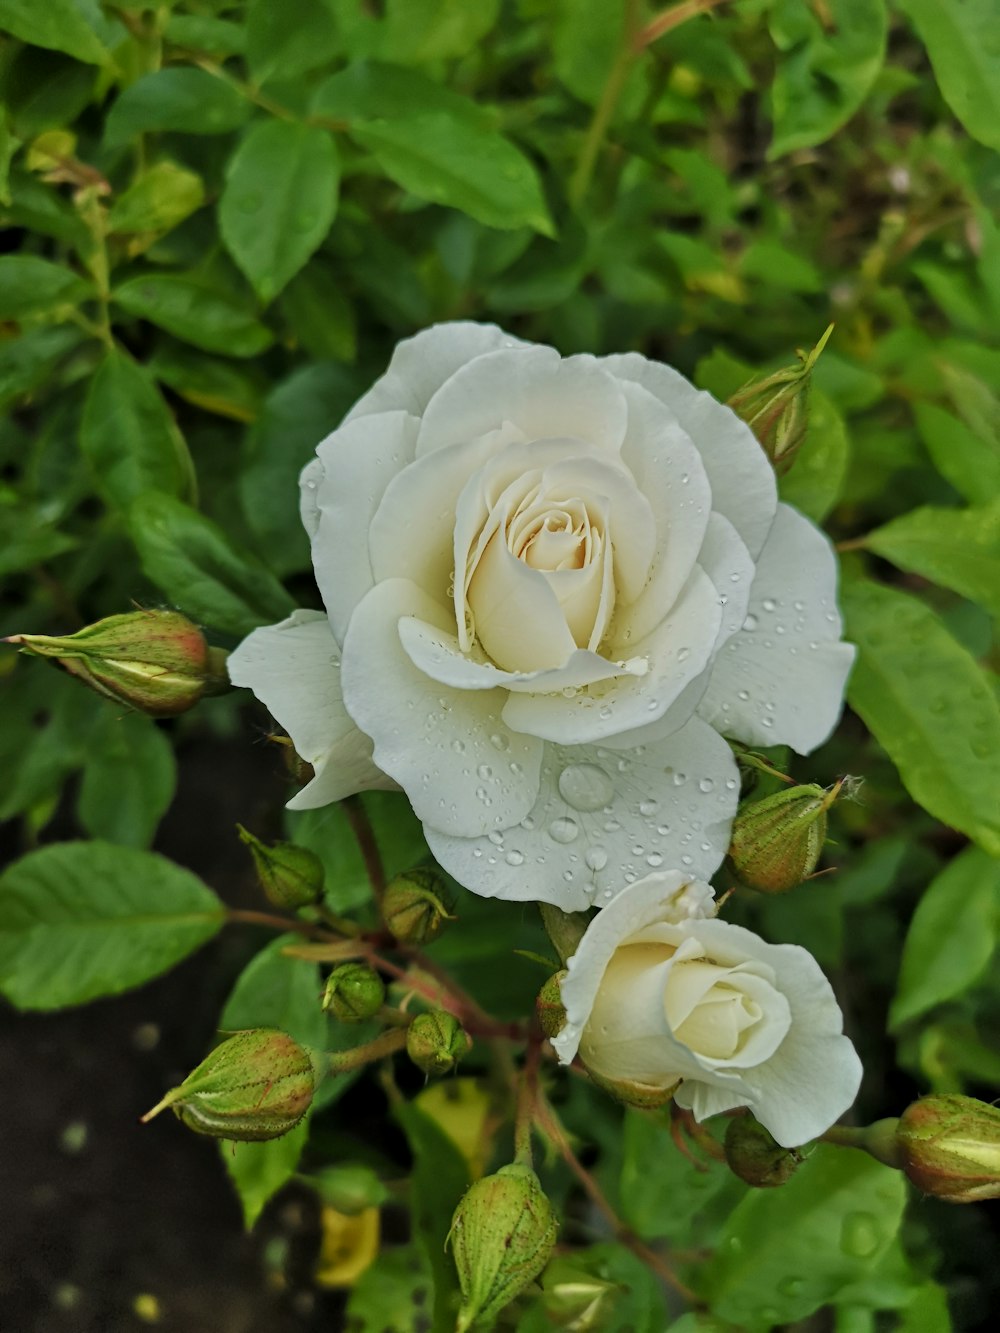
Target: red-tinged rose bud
x,y
776,843
549,1005
416,905
753,1154
154,661
776,408
255,1085
436,1041
290,876
502,1235
949,1146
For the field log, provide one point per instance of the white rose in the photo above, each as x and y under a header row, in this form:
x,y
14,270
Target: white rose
x,y
550,584
658,993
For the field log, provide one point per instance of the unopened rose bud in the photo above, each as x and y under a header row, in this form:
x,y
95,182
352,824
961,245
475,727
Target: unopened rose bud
x,y
415,906
949,1146
255,1085
290,876
776,843
349,1189
776,408
574,1299
753,1154
354,992
502,1235
154,661
436,1041
549,1006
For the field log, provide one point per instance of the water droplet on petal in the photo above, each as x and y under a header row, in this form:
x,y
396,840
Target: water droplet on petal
x,y
484,771
750,624
769,604
514,858
647,808
596,858
585,786
706,785
563,830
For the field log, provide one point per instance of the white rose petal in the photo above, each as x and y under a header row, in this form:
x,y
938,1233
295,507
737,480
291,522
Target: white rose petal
x,y
659,992
535,566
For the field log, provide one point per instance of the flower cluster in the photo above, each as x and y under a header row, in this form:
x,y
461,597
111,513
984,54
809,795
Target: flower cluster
x,y
552,587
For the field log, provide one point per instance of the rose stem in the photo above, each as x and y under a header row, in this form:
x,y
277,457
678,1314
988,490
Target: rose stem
x,y
549,1123
386,1043
527,1099
605,109
252,918
364,834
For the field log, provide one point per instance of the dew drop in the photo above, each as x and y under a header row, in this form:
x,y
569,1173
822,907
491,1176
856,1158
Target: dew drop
x,y
458,746
683,654
769,604
679,779
514,858
563,830
744,695
750,623
495,838
484,771
654,859
596,858
499,742
706,785
585,786
859,1235
647,808
791,1286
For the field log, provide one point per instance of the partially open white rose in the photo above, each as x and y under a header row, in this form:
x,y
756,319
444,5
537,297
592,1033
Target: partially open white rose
x,y
658,994
550,585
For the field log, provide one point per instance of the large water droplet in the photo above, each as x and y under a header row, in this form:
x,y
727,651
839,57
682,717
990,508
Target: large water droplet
x,y
654,859
596,858
647,808
585,786
859,1235
706,785
514,858
563,830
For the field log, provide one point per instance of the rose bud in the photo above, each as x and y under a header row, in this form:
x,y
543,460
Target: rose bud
x,y
574,1299
949,1146
549,1005
354,992
753,1154
502,1235
349,1189
256,1085
154,661
436,1041
776,843
290,876
776,408
415,906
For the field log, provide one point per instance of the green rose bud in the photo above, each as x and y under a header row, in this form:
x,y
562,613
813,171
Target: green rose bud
x,y
949,1146
776,843
255,1085
354,992
436,1041
502,1235
776,408
154,661
549,1005
415,906
290,876
753,1154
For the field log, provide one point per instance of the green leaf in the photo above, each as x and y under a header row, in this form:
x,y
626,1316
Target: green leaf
x,y
84,919
128,779
586,37
786,1252
826,67
46,731
417,32
961,40
291,38
29,286
71,26
320,315
258,1170
215,37
229,389
437,144
952,935
27,539
279,201
958,548
928,705
814,482
29,361
129,437
964,458
440,1178
194,313
158,200
299,412
180,98
391,1294
193,562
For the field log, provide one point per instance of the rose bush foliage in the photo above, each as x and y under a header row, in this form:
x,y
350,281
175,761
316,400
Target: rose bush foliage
x,y
551,587
661,994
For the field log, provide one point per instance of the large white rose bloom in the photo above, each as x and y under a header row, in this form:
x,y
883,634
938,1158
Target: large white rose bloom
x,y
550,585
658,991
